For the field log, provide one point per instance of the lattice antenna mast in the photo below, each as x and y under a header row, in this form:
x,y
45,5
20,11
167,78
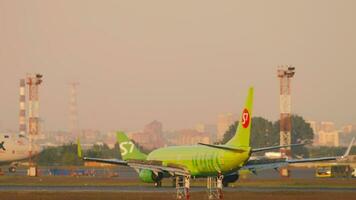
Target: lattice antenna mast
x,y
33,82
22,107
73,110
285,74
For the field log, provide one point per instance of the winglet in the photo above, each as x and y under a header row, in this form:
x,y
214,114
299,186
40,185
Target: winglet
x,y
79,149
347,152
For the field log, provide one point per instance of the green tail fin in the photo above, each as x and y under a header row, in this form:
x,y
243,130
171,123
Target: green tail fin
x,y
242,135
128,149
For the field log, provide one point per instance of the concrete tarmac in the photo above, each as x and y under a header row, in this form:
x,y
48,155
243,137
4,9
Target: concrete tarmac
x,y
168,189
129,173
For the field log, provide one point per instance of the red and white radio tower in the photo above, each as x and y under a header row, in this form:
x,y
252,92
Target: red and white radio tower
x,y
22,106
285,74
33,81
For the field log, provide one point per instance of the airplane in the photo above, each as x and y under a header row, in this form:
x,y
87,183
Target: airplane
x,y
13,149
201,160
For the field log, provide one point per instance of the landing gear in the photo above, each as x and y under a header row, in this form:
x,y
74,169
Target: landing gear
x,y
182,186
12,169
215,185
158,183
13,166
175,179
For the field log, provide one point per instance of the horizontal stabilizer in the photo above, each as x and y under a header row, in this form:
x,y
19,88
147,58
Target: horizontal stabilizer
x,y
274,147
229,148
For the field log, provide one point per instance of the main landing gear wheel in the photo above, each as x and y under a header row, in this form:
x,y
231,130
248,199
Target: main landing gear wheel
x,y
12,169
158,184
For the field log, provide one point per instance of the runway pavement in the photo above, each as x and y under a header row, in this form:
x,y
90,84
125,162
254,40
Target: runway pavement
x,y
169,189
129,173
126,174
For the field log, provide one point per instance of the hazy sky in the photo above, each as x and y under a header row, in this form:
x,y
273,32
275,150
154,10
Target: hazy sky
x,y
180,62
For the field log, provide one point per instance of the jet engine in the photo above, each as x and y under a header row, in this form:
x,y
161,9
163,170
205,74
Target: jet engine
x,y
230,179
148,176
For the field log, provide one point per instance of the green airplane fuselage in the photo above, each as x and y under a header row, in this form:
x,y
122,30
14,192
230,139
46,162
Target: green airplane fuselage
x,y
201,160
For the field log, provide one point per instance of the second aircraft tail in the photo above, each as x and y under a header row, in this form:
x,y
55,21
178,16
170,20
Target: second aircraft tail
x,y
128,149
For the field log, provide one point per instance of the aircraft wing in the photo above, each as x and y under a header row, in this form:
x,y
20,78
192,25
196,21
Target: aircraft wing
x,y
264,166
258,165
255,166
108,161
347,152
274,147
156,167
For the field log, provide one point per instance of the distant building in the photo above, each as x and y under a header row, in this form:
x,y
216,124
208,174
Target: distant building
x,y
315,126
90,136
223,124
61,137
109,138
200,127
327,126
325,133
151,136
331,138
209,129
190,137
347,128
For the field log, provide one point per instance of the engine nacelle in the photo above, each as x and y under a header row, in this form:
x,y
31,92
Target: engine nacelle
x,y
148,176
230,179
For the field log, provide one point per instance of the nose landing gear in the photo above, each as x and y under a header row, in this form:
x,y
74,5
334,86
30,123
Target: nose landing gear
x,y
12,169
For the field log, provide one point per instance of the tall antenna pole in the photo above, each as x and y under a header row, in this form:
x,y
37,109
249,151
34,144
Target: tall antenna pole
x,y
285,74
22,106
33,81
73,110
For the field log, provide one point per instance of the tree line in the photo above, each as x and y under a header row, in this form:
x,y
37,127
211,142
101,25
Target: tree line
x,y
264,133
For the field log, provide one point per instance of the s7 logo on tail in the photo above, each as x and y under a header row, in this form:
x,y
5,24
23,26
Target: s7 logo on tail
x,y
245,120
124,149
